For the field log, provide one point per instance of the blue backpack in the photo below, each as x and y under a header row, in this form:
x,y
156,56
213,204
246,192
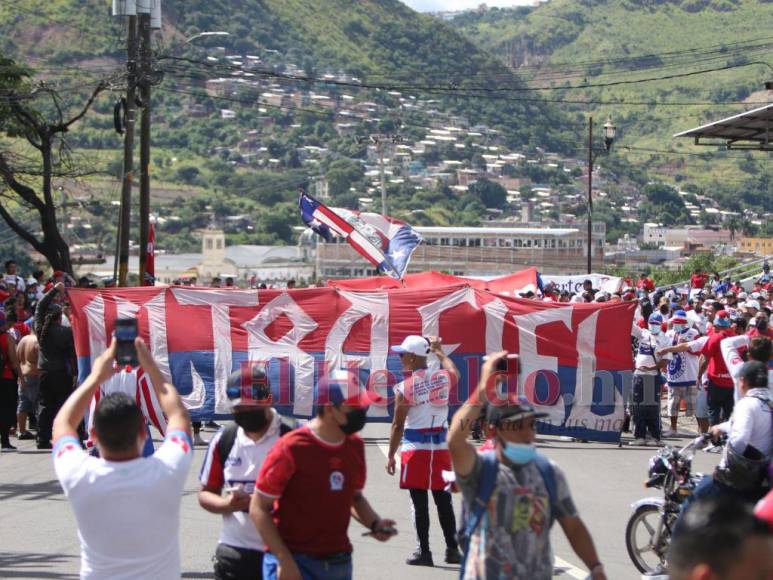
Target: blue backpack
x,y
473,515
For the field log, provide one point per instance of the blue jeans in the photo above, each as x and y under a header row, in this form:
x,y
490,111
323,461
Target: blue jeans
x,y
339,568
721,401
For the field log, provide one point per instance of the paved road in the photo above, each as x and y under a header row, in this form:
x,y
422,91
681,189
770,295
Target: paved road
x,y
39,538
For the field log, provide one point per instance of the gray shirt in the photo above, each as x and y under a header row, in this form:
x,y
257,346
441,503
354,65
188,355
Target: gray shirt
x,y
513,538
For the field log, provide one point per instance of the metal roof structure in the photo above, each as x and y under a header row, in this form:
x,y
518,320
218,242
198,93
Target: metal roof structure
x,y
484,231
749,130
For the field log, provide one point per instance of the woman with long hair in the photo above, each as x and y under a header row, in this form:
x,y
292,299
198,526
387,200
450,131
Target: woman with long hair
x,y
56,361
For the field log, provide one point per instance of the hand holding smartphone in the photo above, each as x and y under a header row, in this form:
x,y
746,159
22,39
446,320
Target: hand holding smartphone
x,y
508,364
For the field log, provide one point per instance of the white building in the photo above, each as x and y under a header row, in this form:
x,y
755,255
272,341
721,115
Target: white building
x,y
269,264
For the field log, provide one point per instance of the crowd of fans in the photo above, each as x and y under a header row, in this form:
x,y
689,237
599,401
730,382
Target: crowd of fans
x,y
286,493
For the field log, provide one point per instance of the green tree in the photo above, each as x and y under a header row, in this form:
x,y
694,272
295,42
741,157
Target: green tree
x,y
37,115
490,193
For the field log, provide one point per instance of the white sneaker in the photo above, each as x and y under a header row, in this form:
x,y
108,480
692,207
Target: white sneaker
x,y
199,441
638,442
670,433
655,443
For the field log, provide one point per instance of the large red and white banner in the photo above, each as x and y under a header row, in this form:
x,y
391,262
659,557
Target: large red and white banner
x,y
575,359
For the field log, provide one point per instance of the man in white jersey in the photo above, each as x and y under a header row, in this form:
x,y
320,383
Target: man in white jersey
x,y
647,380
230,468
135,382
682,371
419,428
694,347
127,506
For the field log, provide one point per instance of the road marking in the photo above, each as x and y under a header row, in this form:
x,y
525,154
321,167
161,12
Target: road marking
x,y
563,567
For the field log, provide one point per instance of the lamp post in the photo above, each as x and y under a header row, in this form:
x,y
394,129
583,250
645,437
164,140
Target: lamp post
x,y
609,136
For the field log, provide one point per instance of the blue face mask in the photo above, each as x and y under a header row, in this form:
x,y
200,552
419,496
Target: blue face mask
x,y
519,453
680,328
655,328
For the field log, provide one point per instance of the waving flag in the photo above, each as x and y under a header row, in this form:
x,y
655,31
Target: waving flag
x,y
385,242
150,259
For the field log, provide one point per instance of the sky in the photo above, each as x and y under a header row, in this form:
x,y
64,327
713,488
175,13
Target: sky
x,y
443,5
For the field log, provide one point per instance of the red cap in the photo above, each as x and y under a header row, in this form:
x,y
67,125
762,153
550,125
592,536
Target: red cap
x,y
342,387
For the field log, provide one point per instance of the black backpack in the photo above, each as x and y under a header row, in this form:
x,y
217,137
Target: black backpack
x,y
228,437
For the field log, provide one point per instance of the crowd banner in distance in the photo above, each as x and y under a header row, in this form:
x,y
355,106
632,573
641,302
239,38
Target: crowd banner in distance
x,y
575,359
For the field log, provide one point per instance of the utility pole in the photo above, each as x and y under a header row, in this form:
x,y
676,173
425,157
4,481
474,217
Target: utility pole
x,y
128,153
380,140
590,195
144,84
380,148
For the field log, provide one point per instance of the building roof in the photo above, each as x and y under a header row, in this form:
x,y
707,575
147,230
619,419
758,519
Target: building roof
x,y
748,130
470,231
252,256
173,261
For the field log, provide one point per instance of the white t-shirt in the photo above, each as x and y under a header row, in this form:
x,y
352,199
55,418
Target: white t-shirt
x,y
649,344
240,468
427,394
128,512
14,280
682,370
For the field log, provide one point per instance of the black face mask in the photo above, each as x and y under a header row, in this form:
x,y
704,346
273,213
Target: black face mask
x,y
762,324
355,421
252,421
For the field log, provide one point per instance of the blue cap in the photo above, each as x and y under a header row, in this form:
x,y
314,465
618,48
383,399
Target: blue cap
x,y
249,386
655,318
722,319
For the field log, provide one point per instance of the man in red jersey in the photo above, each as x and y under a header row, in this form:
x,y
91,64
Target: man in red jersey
x,y
720,389
311,484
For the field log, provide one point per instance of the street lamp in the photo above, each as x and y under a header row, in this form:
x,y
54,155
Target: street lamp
x,y
609,134
609,137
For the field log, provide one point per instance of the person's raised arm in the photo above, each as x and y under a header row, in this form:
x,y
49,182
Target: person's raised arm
x,y
168,398
729,348
462,452
446,363
42,307
74,408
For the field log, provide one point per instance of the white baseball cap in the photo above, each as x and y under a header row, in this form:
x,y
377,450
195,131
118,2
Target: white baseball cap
x,y
752,304
413,344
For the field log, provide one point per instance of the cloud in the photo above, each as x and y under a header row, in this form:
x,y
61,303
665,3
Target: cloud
x,y
442,5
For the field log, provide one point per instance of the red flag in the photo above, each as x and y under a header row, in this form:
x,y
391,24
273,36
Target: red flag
x,y
150,259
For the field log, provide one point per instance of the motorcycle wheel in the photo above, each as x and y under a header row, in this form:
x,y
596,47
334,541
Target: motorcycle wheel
x,y
639,538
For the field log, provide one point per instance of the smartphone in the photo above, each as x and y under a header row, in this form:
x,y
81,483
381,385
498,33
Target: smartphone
x,y
391,531
125,333
507,365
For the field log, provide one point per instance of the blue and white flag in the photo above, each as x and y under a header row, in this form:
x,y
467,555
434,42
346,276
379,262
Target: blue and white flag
x,y
385,242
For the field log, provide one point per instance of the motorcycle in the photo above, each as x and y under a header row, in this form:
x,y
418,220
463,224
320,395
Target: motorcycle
x,y
651,524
